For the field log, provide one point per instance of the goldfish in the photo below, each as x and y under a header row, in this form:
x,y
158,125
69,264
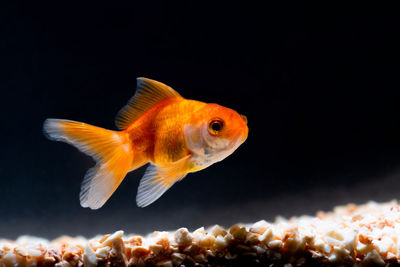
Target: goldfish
x,y
176,136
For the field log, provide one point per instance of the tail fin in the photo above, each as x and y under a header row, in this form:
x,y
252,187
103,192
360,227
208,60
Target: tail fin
x,y
110,149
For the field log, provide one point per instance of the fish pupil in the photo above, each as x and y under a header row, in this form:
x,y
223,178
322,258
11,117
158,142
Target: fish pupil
x,y
216,126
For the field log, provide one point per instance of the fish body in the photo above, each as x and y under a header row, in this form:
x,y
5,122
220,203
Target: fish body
x,y
157,126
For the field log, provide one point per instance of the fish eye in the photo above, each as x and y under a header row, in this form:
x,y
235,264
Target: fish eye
x,y
215,126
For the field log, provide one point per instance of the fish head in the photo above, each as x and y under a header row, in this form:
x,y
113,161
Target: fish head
x,y
214,133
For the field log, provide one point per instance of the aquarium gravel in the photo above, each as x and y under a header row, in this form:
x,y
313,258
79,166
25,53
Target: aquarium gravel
x,y
348,235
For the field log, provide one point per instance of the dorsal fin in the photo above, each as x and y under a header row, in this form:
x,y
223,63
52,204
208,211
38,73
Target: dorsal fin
x,y
148,93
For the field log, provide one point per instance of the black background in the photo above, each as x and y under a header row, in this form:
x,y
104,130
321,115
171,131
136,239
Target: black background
x,y
318,83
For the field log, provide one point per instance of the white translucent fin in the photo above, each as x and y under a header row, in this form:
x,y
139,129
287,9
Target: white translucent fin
x,y
110,149
158,179
148,93
101,181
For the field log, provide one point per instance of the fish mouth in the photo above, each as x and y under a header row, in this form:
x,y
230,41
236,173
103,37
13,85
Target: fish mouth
x,y
245,131
244,118
244,135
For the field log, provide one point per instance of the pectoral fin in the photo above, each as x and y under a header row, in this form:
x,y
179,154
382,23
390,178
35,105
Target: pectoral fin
x,y
158,178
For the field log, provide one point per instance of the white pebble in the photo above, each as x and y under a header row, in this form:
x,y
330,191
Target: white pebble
x,y
112,237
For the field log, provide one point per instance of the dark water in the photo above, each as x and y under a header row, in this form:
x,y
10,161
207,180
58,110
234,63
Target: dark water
x,y
318,84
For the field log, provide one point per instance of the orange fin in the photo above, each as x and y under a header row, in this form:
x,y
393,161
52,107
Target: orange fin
x,y
110,149
148,93
158,179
